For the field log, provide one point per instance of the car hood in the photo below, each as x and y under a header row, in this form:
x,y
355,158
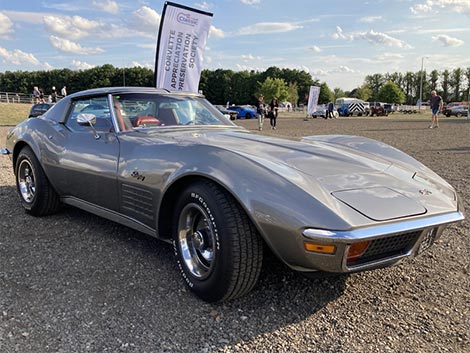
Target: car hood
x,y
332,172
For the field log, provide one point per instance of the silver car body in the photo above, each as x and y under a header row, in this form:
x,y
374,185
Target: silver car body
x,y
323,190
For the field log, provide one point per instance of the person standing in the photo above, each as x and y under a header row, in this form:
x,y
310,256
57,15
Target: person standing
x,y
329,110
260,109
436,108
54,95
63,91
273,113
36,94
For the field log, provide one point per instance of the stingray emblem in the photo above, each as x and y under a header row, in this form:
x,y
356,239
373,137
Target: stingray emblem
x,y
425,192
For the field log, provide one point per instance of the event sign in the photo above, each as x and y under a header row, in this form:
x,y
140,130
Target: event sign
x,y
181,41
313,99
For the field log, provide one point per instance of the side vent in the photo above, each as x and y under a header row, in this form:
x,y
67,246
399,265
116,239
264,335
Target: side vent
x,y
137,201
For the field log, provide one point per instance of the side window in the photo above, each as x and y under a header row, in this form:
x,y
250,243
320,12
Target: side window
x,y
98,106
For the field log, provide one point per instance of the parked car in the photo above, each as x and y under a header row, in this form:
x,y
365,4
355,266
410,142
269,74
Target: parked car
x,y
171,166
244,111
231,114
39,109
378,109
458,111
321,112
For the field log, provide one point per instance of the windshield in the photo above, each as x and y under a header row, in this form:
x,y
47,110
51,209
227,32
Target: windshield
x,y
158,110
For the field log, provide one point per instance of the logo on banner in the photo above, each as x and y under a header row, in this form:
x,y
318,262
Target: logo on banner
x,y
186,19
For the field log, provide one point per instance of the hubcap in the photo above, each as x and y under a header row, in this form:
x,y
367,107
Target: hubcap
x,y
196,240
26,182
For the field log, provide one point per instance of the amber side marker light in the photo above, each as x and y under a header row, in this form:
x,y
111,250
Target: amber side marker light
x,y
320,248
356,250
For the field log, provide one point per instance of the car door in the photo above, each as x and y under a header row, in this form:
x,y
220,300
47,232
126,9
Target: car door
x,y
89,159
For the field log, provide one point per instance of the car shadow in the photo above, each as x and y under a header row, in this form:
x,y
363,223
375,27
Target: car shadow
x,y
125,284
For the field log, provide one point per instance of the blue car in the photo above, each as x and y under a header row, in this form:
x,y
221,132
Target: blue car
x,y
244,111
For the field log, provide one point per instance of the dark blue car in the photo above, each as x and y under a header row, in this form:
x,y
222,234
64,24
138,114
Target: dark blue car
x,y
244,111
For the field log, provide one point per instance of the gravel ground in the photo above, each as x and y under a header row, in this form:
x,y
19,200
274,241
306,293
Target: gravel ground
x,y
73,282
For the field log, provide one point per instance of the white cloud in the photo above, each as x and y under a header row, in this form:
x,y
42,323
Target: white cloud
x,y
145,65
204,5
250,2
68,46
216,32
81,65
316,49
343,68
74,27
18,57
370,19
268,27
460,6
6,26
250,57
145,20
448,41
109,6
371,37
389,57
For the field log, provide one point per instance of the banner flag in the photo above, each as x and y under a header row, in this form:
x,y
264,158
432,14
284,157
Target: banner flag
x,y
181,41
313,99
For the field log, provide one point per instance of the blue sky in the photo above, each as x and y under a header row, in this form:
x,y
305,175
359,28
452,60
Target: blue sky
x,y
338,42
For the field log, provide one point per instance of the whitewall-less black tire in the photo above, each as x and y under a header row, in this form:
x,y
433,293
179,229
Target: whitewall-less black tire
x,y
218,250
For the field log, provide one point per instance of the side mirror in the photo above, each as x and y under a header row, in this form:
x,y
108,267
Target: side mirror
x,y
88,119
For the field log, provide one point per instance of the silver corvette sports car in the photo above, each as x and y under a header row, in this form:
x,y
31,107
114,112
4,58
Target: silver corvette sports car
x,y
172,166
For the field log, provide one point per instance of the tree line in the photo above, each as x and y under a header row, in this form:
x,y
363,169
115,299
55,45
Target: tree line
x,y
242,87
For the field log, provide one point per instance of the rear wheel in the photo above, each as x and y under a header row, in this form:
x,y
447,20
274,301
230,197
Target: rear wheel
x,y
248,116
36,193
218,250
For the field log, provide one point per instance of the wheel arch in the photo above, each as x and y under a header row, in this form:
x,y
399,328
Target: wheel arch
x,y
170,199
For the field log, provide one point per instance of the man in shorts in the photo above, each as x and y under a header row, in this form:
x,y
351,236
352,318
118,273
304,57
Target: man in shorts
x,y
436,108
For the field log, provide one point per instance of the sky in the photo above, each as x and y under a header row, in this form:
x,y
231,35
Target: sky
x,y
337,41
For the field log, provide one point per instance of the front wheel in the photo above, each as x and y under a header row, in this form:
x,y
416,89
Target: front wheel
x,y
36,193
217,248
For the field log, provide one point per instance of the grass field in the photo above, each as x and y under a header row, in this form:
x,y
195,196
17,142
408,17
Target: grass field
x,y
13,113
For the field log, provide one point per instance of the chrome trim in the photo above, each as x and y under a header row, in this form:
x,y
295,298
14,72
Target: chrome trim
x,y
369,233
5,151
113,115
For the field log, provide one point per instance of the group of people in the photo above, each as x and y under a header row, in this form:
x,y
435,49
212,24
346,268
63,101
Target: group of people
x,y
267,110
38,94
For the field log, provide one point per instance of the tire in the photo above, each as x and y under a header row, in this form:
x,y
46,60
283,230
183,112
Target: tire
x,y
217,248
458,115
37,196
248,116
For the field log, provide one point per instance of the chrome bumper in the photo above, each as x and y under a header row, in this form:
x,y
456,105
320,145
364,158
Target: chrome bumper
x,y
343,240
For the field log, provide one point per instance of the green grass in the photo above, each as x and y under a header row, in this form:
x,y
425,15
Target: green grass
x,y
13,113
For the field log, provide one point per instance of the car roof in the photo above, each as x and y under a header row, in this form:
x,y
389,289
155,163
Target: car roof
x,y
129,89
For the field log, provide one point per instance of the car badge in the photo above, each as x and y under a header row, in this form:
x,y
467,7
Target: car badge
x,y
425,192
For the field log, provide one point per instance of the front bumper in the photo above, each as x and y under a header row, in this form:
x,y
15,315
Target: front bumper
x,y
388,244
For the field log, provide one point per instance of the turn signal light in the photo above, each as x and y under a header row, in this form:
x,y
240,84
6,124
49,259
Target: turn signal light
x,y
357,249
320,248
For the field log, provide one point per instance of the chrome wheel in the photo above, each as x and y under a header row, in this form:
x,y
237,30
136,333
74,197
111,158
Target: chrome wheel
x,y
26,181
197,240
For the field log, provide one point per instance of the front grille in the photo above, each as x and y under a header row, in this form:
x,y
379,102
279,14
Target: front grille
x,y
394,245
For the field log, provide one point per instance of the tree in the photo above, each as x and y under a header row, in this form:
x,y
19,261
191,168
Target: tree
x,y
391,93
293,93
467,91
338,93
456,82
445,85
433,78
326,95
375,82
364,92
273,87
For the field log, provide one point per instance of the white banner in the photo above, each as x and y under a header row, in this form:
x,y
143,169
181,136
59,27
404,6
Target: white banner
x,y
313,99
181,41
